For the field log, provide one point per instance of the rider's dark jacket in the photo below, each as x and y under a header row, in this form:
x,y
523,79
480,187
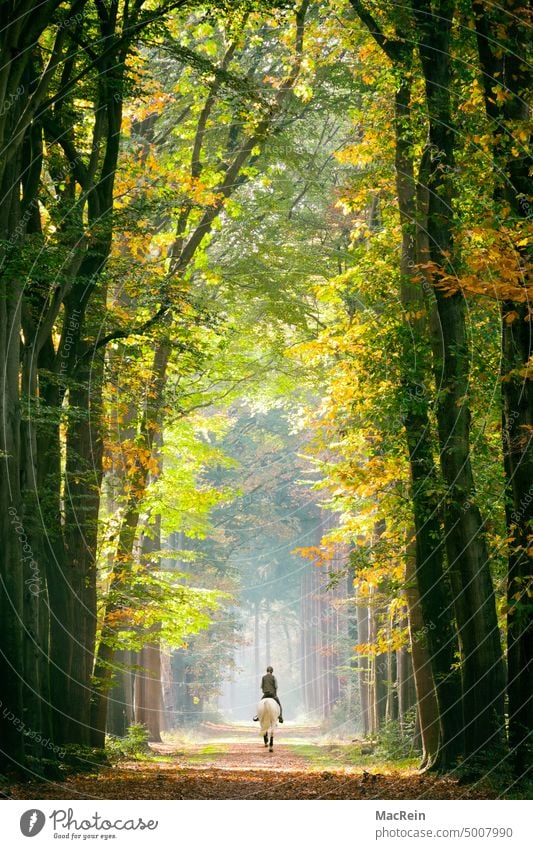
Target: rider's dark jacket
x,y
269,685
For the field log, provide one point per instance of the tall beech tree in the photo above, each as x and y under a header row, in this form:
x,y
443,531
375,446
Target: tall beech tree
x,y
82,170
503,47
25,84
433,585
467,555
468,561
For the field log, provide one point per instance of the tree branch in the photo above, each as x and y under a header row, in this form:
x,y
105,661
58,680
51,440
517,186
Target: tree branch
x,y
392,49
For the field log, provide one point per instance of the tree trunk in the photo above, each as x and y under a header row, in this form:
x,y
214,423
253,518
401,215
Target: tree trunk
x,y
148,692
432,583
428,708
257,659
12,532
393,677
474,603
148,696
126,539
268,648
13,536
120,711
363,663
353,639
504,68
406,683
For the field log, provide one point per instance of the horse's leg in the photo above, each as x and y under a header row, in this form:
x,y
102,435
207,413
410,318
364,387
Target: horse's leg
x,y
271,742
265,738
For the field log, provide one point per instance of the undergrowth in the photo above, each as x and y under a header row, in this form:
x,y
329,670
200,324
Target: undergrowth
x,y
398,741
134,746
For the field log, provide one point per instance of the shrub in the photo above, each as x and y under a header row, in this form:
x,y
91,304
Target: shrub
x,y
133,745
397,742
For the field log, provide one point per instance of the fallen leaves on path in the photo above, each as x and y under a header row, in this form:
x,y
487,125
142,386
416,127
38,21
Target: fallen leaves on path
x,y
246,771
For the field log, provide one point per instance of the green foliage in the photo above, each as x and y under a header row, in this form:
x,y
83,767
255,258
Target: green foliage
x,y
396,741
183,495
147,599
134,745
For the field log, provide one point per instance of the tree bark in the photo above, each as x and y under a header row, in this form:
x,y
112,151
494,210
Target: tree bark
x,y
433,583
503,40
363,663
19,34
428,708
474,603
126,539
393,677
148,694
120,711
148,689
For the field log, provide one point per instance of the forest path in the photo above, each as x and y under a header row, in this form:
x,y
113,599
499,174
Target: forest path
x,y
241,747
231,762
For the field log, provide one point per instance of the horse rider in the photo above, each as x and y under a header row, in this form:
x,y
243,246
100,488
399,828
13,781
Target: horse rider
x,y
269,686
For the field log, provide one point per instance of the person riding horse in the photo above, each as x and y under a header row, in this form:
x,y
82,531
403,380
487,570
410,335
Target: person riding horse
x,y
269,686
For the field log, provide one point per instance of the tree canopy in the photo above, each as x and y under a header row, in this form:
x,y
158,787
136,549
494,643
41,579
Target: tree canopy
x,y
265,329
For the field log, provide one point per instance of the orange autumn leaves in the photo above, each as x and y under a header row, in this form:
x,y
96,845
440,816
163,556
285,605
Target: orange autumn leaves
x,y
494,266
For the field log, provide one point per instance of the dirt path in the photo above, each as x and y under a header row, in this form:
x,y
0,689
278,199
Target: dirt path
x,y
240,748
231,762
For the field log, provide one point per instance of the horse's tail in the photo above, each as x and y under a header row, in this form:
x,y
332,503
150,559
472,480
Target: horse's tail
x,y
268,712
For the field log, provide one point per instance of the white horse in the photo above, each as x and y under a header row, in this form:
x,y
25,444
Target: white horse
x,y
268,712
